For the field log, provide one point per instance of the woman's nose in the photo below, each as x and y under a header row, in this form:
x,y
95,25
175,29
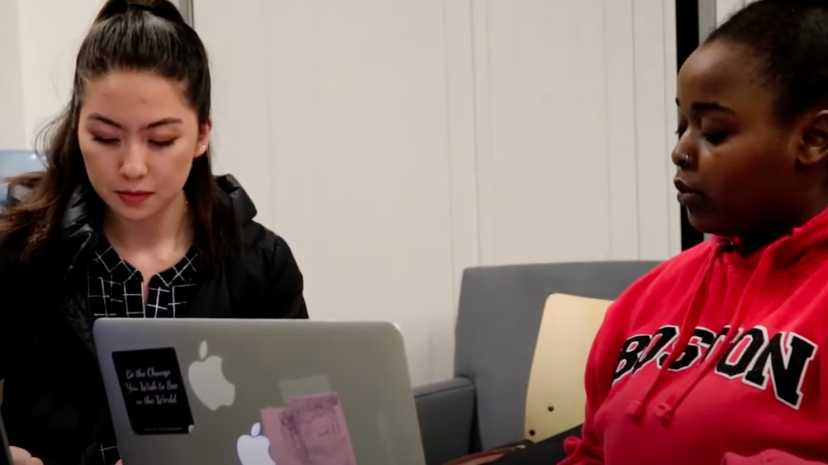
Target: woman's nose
x,y
134,164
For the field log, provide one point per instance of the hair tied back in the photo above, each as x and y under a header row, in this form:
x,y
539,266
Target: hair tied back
x,y
139,6
111,9
160,8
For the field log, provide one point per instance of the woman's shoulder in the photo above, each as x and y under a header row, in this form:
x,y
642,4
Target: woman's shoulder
x,y
7,252
12,243
11,248
267,270
643,302
685,262
258,239
15,275
257,242
667,279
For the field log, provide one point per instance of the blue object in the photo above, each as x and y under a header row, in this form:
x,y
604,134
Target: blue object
x,y
14,163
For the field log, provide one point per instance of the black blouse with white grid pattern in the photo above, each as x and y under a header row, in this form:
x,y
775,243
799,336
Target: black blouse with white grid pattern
x,y
114,291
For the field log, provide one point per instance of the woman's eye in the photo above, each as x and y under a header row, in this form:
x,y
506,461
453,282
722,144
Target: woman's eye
x,y
680,130
105,140
715,138
162,143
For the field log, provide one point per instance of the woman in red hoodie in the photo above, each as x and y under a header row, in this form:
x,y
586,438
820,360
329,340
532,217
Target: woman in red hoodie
x,y
720,356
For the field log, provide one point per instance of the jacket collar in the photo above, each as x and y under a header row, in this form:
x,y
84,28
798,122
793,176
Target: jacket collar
x,y
77,215
79,227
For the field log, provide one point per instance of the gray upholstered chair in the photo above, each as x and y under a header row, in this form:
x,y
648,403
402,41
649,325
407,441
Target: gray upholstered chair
x,y
498,320
16,162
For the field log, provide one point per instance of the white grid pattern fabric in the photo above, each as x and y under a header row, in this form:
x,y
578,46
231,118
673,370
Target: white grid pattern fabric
x,y
114,291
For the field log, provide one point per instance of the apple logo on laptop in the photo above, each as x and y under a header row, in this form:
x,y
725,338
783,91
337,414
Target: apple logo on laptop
x,y
208,381
254,449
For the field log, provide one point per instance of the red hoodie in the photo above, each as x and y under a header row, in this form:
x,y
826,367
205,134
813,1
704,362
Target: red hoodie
x,y
742,339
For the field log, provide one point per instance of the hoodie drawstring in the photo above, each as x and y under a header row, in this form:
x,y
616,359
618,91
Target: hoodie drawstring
x,y
665,410
745,304
697,302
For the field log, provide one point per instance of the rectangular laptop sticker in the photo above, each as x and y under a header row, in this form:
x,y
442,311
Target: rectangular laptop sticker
x,y
154,392
317,384
310,430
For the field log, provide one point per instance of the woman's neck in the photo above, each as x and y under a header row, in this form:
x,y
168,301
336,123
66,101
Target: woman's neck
x,y
770,233
164,232
749,245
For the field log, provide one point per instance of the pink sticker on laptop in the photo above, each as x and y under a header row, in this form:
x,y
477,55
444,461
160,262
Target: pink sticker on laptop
x,y
310,430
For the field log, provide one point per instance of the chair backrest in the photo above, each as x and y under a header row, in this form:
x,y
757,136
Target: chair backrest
x,y
497,327
556,397
14,163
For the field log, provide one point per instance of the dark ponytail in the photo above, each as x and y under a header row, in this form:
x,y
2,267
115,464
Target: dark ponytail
x,y
135,35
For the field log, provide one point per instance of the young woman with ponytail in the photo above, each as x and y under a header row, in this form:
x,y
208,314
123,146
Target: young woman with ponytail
x,y
126,221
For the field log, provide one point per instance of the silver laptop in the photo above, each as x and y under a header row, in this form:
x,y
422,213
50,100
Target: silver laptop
x,y
258,392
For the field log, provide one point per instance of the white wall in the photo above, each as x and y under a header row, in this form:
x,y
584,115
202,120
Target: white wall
x,y
37,56
12,133
37,52
725,8
394,143
49,45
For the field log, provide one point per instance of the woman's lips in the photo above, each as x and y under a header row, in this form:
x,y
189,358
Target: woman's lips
x,y
133,198
687,194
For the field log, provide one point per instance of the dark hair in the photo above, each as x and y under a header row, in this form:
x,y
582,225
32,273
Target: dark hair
x,y
790,40
136,35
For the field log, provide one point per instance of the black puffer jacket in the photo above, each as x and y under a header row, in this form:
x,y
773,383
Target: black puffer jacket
x,y
54,403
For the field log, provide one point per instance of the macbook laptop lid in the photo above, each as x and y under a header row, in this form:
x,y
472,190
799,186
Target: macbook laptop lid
x,y
259,392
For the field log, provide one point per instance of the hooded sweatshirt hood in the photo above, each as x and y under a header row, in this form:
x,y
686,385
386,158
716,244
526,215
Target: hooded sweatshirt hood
x,y
236,196
710,353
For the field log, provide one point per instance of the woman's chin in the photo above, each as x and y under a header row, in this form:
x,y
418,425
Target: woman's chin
x,y
128,212
713,225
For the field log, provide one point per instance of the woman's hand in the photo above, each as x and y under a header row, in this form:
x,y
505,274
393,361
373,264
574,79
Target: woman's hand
x,y
21,457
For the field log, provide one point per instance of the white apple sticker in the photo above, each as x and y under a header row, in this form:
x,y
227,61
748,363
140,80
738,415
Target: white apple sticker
x,y
254,449
208,382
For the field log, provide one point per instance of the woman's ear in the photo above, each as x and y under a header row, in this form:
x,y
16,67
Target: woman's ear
x,y
204,134
815,140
